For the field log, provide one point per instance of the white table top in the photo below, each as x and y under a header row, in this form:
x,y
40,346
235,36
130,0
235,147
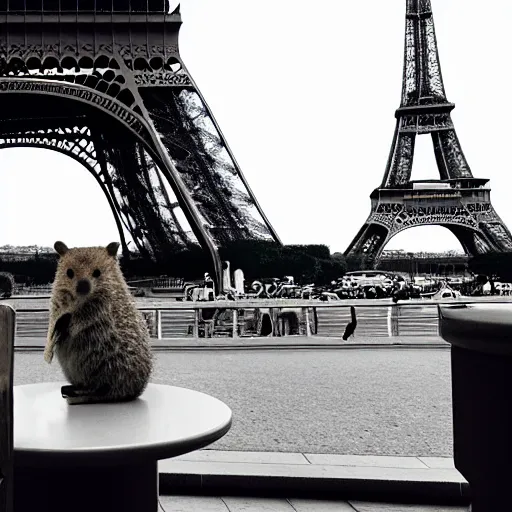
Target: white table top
x,y
166,421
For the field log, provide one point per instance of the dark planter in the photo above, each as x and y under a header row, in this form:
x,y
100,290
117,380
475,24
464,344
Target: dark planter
x,y
481,354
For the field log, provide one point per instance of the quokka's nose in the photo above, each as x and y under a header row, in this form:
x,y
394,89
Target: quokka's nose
x,y
83,287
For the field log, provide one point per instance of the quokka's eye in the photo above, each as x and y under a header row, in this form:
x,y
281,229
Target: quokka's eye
x,y
70,273
96,273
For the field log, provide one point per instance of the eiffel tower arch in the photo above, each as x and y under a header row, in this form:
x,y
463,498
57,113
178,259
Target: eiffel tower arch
x,y
104,83
456,201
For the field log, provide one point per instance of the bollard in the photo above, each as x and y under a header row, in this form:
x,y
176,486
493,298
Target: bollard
x,y
481,363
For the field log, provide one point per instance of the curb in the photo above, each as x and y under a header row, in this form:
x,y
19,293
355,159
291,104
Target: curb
x,y
30,344
191,348
302,347
373,483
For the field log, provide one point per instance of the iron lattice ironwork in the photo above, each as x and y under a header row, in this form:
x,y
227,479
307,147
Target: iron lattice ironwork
x,y
457,200
104,83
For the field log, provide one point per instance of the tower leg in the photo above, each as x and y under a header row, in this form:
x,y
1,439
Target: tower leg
x,y
450,158
399,167
155,230
368,244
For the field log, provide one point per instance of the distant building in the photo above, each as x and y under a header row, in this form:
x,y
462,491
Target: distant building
x,y
448,263
23,253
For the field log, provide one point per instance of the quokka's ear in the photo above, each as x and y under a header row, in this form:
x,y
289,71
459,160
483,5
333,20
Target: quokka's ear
x,y
112,248
61,248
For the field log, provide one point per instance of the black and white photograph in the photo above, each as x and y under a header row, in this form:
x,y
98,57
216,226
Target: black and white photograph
x,y
255,256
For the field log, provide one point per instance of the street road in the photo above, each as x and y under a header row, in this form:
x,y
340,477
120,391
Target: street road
x,y
379,401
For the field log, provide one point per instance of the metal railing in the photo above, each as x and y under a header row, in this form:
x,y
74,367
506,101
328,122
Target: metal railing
x,y
253,318
168,282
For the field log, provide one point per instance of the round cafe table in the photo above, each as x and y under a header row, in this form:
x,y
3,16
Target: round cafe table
x,y
104,457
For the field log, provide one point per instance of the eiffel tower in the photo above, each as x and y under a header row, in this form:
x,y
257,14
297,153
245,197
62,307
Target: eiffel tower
x,y
103,82
457,200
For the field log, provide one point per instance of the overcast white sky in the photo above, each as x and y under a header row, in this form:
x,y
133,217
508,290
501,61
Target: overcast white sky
x,y
305,93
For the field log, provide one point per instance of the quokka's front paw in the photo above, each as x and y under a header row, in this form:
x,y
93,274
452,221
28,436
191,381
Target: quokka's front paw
x,y
63,300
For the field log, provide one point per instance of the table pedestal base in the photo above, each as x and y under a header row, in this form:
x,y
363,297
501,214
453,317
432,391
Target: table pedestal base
x,y
127,488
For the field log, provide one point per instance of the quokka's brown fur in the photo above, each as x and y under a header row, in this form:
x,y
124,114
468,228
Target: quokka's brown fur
x,y
104,350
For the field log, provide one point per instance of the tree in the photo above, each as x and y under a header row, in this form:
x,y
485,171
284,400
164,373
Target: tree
x,y
259,259
497,266
6,285
360,262
39,271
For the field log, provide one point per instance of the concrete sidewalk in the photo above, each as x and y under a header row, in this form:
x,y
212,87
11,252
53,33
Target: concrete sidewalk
x,y
418,480
243,504
284,342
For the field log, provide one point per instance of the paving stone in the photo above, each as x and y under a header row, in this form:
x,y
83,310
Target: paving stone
x,y
257,505
244,457
438,462
232,504
192,504
321,506
386,507
366,461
